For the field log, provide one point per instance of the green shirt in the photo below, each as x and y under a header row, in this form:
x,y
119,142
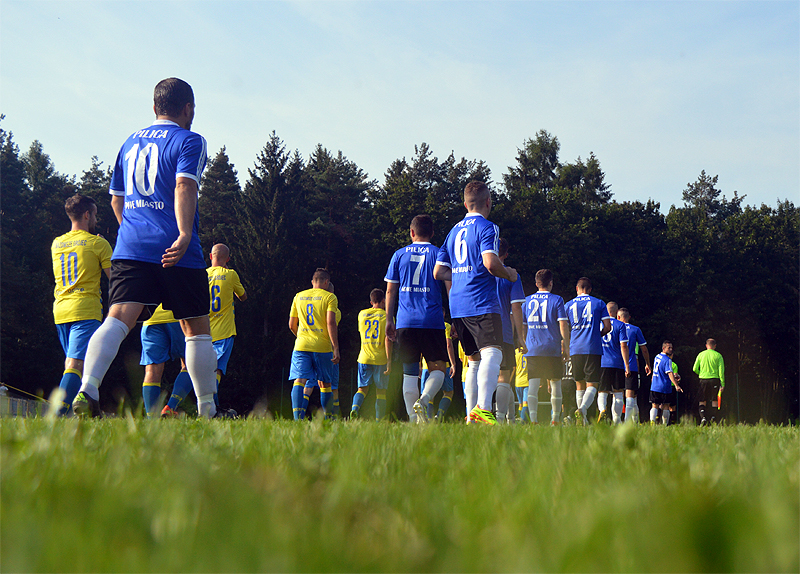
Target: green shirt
x,y
709,365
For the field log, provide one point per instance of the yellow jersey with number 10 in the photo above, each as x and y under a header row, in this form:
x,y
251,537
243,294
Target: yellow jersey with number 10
x,y
311,309
223,283
78,260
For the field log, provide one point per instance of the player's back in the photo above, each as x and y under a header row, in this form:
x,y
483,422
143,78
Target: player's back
x,y
543,312
223,283
78,260
635,340
419,294
474,290
662,366
145,174
508,293
311,308
586,314
372,331
612,351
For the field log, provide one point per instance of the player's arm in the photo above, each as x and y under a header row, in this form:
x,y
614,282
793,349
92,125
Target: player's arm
x,y
451,354
721,373
493,264
566,333
646,355
675,380
516,320
443,273
606,327
696,367
293,324
392,290
626,357
118,204
333,334
185,208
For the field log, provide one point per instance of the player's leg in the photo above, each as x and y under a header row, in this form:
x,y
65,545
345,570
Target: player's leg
x,y
324,368
180,390
618,390
151,387
408,353
533,399
522,398
335,412
631,403
487,331
556,401
300,371
223,348
380,393
504,395
74,339
591,371
365,374
433,385
201,362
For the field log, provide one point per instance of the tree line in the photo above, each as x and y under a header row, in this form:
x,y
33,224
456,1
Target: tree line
x,y
713,267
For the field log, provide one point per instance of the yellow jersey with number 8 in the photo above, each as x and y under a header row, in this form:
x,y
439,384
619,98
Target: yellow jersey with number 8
x,y
311,309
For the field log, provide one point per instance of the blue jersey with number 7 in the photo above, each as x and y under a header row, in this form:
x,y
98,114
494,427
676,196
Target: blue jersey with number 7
x,y
419,294
145,174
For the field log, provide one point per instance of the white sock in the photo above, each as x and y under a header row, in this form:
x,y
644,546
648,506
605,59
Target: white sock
x,y
201,362
471,384
504,397
411,394
205,406
491,357
616,409
653,414
432,386
602,401
533,400
631,410
588,399
579,397
556,400
665,416
103,347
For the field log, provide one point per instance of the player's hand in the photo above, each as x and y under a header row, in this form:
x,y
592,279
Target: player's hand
x,y
452,371
523,347
627,371
335,359
512,274
176,251
648,370
677,378
391,332
680,390
388,368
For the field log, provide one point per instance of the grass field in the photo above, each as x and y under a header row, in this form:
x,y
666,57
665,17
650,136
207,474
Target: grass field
x,y
257,495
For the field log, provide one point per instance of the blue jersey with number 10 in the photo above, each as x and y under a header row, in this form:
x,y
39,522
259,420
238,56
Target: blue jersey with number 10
x,y
586,314
145,174
419,295
474,290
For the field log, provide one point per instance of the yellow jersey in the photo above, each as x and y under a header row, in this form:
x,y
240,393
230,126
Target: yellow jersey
x,y
311,309
521,378
223,283
160,316
463,358
78,260
372,331
448,332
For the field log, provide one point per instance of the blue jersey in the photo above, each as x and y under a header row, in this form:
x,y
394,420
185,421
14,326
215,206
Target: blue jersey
x,y
145,174
543,313
419,294
586,314
612,345
662,365
635,337
474,290
508,293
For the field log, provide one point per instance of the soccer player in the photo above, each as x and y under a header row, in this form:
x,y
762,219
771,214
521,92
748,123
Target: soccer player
x,y
158,258
635,341
548,340
511,297
521,385
661,385
590,322
614,366
447,385
710,367
374,360
163,340
469,258
312,319
419,329
223,284
79,257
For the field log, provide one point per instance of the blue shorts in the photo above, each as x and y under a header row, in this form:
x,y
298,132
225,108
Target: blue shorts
x,y
447,385
369,373
312,367
223,347
310,384
75,337
161,343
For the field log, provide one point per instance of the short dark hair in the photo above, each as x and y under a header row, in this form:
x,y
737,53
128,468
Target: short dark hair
x,y
544,277
77,205
476,192
171,95
625,313
711,342
321,274
665,343
376,296
422,225
502,246
584,283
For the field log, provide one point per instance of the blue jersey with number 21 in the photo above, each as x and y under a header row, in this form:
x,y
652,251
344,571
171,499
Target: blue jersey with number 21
x,y
145,174
474,290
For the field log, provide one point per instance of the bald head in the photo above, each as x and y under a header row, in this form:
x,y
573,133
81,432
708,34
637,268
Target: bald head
x,y
220,255
711,344
612,308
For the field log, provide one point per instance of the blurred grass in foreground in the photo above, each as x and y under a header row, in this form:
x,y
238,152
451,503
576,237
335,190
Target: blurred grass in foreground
x,y
254,495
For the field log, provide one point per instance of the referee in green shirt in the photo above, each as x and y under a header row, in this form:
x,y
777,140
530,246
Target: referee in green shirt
x,y
710,367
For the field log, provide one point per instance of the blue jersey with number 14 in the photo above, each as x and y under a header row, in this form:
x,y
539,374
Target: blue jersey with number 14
x,y
474,289
419,296
586,314
145,174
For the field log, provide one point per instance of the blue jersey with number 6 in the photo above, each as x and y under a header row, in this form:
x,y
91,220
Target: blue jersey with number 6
x,y
586,314
419,295
145,174
474,290
543,312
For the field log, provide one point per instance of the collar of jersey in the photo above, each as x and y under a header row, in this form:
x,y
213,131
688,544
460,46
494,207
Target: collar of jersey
x,y
421,243
164,123
474,215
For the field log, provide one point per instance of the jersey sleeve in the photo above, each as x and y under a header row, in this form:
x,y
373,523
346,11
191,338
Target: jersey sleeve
x,y
561,310
517,291
332,304
489,238
104,252
117,186
623,334
192,158
393,272
293,309
238,288
443,257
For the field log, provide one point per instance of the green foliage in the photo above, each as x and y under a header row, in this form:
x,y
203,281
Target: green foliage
x,y
254,495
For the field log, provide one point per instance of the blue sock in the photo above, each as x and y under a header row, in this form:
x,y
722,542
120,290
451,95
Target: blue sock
x,y
181,388
326,400
380,405
358,398
71,383
298,408
430,409
216,395
522,397
444,404
336,412
150,394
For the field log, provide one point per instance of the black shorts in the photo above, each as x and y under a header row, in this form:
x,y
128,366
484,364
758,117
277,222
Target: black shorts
x,y
657,398
709,388
586,368
509,358
181,290
611,379
476,333
632,382
549,368
430,343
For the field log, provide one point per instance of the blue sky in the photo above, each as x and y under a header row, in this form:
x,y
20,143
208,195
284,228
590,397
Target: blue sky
x,y
657,90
